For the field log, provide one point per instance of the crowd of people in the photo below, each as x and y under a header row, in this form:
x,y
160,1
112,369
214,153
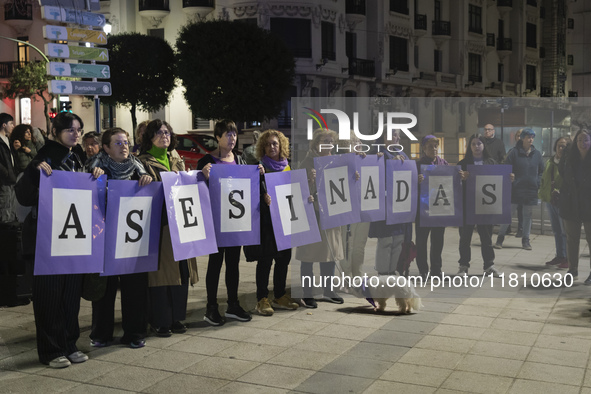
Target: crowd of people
x,y
158,300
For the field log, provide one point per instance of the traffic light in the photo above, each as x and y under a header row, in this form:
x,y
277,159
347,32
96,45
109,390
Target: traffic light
x,y
52,112
66,106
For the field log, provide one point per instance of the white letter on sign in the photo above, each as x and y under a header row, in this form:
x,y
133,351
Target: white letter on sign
x,y
235,205
71,227
133,227
338,194
489,195
441,196
187,211
291,209
370,186
401,198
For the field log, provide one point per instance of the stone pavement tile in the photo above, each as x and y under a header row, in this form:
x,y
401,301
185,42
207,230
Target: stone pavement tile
x,y
364,320
500,350
431,358
517,325
299,326
357,366
12,350
587,380
12,319
522,386
328,383
383,387
378,351
510,337
525,315
27,361
564,343
168,360
397,338
530,304
25,383
83,372
221,368
446,344
490,365
277,376
312,315
469,321
251,351
158,342
305,359
131,378
434,306
416,374
277,338
478,310
558,357
412,326
120,354
487,302
560,330
181,383
202,345
433,317
259,321
476,382
345,332
15,336
326,344
449,330
92,389
552,373
247,388
234,332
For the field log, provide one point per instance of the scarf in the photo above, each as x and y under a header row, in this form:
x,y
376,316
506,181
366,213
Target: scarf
x,y
115,170
160,156
274,165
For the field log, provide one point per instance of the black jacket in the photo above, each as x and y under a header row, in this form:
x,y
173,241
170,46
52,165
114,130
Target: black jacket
x,y
7,174
495,148
575,192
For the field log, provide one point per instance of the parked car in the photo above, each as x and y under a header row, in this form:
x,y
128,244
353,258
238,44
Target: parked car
x,y
193,147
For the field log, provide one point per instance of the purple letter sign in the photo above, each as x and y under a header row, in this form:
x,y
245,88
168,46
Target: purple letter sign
x,y
401,189
488,194
371,188
441,196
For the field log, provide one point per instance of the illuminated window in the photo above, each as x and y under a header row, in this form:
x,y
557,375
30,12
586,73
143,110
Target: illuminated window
x,y
462,148
415,151
23,50
441,152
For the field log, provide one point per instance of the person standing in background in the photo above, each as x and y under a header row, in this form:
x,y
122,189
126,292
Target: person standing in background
x,y
494,146
7,173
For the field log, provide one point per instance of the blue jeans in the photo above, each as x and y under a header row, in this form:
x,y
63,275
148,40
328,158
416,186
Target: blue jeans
x,y
527,212
558,230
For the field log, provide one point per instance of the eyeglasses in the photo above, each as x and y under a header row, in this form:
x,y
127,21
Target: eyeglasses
x,y
122,143
161,133
73,130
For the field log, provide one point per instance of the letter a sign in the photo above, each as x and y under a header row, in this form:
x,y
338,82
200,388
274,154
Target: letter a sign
x,y
441,196
71,225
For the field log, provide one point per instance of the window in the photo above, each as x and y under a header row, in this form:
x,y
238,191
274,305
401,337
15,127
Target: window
x,y
351,44
474,67
296,33
328,41
400,6
530,77
475,24
415,151
531,39
23,49
437,14
201,124
462,148
501,72
398,53
437,60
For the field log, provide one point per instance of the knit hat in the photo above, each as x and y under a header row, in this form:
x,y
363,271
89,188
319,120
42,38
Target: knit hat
x,y
526,132
427,138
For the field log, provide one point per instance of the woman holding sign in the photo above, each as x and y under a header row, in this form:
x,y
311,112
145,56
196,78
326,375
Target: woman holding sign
x,y
330,248
476,155
56,298
272,149
169,286
115,161
227,134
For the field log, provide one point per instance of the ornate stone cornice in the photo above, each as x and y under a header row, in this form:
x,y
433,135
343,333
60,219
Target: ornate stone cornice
x,y
397,30
475,47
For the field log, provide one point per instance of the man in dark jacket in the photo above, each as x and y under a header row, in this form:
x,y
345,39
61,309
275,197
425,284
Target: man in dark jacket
x,y
494,146
7,174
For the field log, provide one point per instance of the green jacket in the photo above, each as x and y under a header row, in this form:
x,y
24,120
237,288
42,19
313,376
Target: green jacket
x,y
545,192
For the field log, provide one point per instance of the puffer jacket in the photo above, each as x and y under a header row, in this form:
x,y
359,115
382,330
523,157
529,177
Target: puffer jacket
x,y
528,170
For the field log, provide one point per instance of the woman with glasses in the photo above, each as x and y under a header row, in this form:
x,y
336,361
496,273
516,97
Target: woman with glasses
x,y
169,286
575,195
56,298
117,163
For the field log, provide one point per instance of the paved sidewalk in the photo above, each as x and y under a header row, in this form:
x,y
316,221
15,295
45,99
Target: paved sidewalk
x,y
529,340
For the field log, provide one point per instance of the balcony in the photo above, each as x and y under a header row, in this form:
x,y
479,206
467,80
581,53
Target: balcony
x,y
490,39
441,28
155,10
355,11
398,66
504,44
504,6
420,23
398,6
8,68
329,55
474,78
201,8
362,67
18,17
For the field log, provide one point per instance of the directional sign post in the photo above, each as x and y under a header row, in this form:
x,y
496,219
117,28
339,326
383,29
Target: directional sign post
x,y
70,34
58,14
80,87
78,70
76,52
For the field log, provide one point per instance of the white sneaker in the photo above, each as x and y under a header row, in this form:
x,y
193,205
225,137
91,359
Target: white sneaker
x,y
59,362
493,271
77,357
463,270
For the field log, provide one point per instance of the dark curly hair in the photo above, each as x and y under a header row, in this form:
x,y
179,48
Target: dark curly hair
x,y
18,133
151,131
